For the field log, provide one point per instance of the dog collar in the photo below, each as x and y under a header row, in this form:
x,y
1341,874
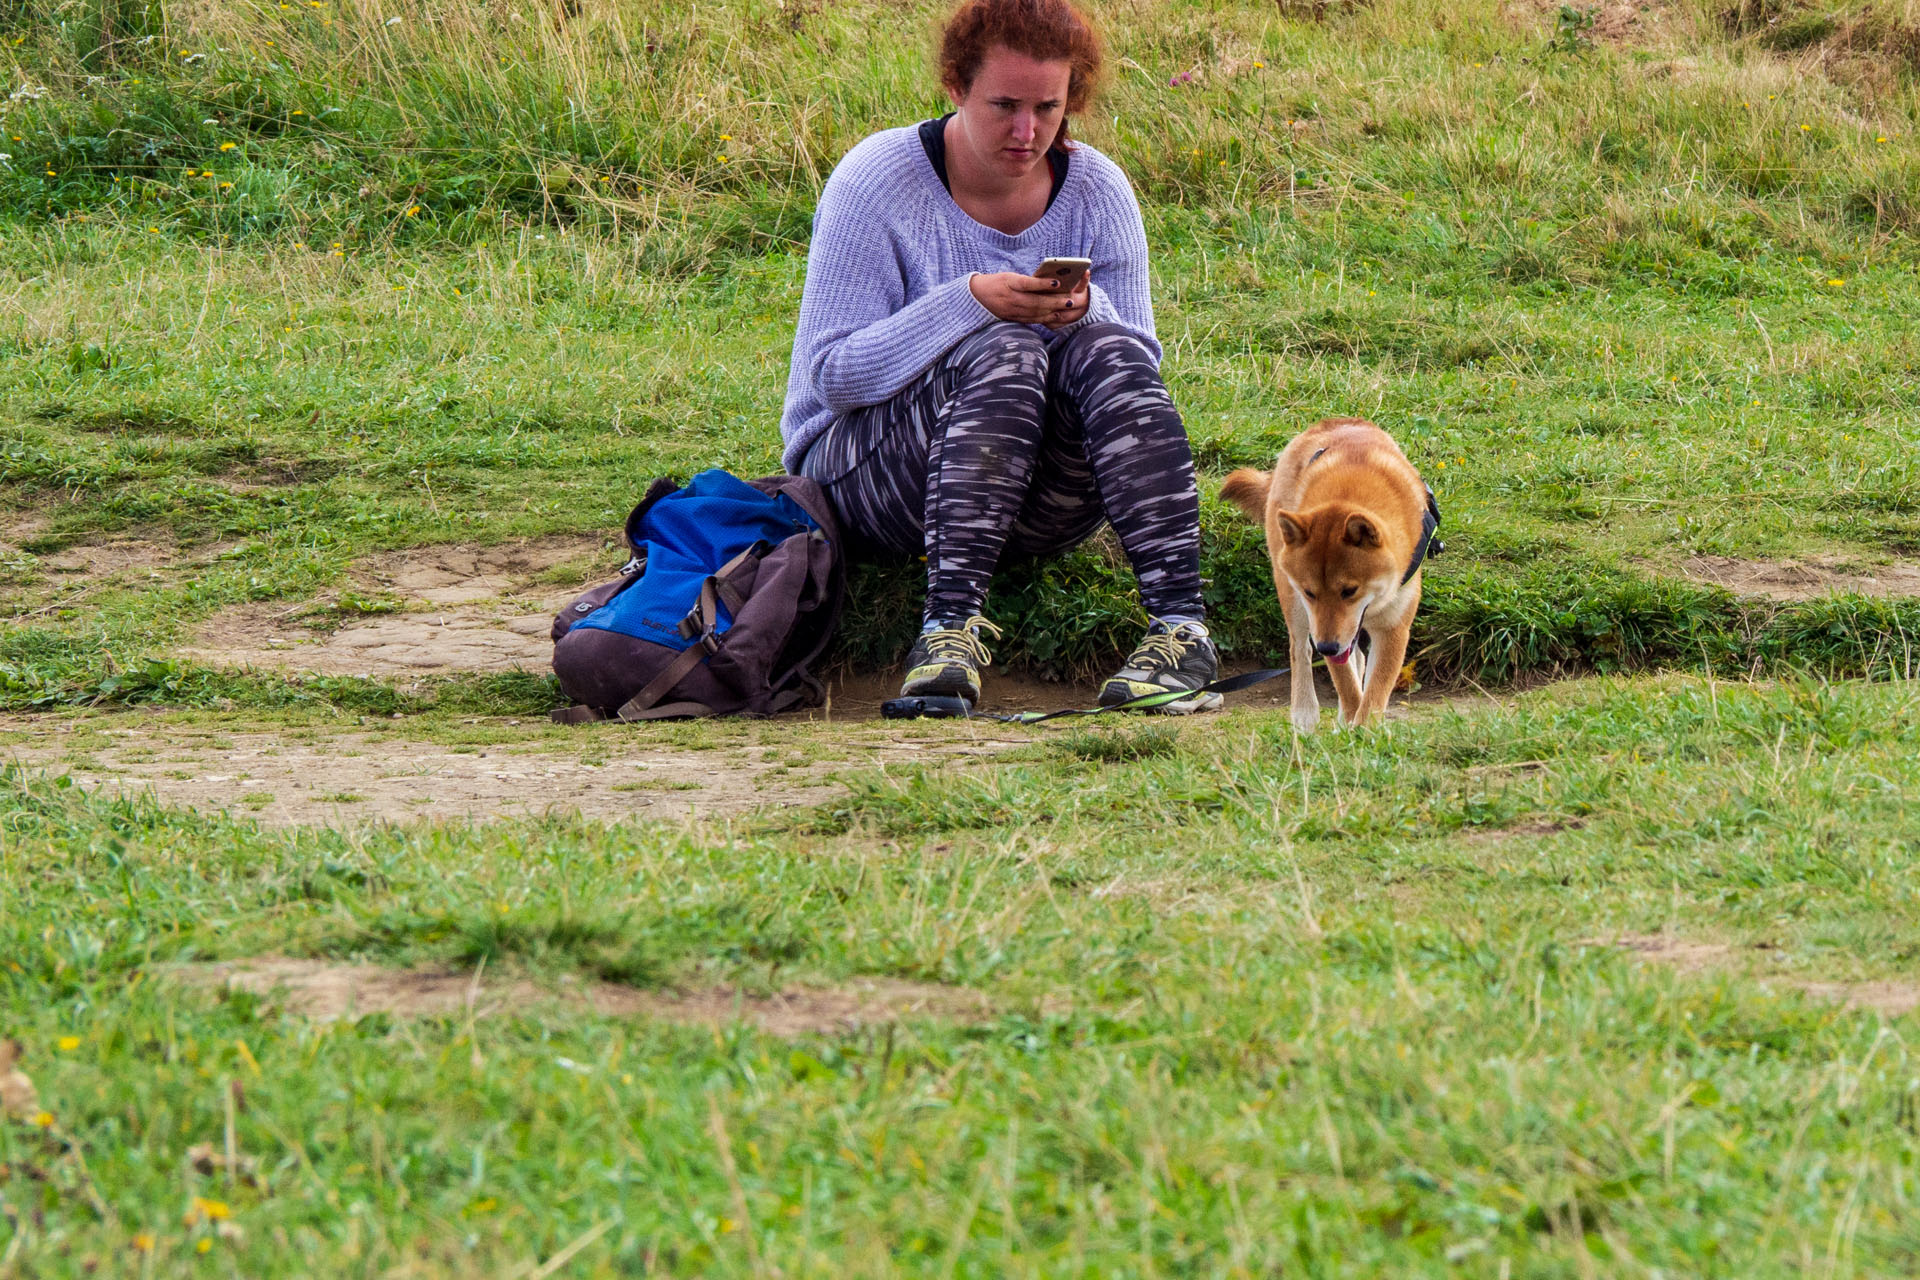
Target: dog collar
x,y
1428,544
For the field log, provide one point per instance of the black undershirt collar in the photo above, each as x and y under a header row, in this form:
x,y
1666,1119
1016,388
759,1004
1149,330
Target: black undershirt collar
x,y
933,137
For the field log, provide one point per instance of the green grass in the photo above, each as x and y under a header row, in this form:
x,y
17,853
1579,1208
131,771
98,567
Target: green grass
x,y
1339,1006
1336,1006
1622,304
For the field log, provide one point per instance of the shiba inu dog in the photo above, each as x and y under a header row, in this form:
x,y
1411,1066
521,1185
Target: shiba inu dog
x,y
1349,523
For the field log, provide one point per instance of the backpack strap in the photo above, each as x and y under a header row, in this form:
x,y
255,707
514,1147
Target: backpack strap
x,y
702,625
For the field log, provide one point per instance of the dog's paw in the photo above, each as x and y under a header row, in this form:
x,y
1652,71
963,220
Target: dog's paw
x,y
1306,719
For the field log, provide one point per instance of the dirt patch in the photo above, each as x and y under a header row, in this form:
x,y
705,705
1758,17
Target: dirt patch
x,y
1675,953
462,574
1888,997
327,991
460,609
1807,578
356,776
99,559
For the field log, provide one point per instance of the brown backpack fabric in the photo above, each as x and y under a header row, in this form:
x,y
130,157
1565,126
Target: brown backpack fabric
x,y
781,599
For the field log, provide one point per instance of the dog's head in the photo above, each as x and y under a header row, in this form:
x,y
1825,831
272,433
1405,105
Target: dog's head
x,y
1333,556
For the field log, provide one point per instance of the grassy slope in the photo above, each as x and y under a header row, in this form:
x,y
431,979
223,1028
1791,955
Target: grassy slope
x,y
1349,1022
1328,1007
1621,305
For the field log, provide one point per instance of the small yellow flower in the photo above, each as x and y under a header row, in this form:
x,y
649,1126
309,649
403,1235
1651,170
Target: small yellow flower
x,y
43,1120
144,1242
1881,138
1806,128
604,178
69,1043
336,244
299,244
297,111
412,209
1443,465
726,137
211,1210
1258,65
152,229
456,293
203,1244
723,160
1835,284
225,185
228,146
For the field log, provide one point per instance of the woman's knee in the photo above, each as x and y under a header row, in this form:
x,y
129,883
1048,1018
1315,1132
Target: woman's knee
x,y
1101,351
1009,354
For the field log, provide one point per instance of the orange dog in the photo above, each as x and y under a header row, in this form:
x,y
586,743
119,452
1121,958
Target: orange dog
x,y
1349,523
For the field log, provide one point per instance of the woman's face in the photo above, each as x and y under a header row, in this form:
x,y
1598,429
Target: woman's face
x,y
1011,113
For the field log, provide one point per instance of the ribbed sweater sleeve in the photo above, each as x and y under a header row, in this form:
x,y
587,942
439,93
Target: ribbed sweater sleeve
x,y
861,340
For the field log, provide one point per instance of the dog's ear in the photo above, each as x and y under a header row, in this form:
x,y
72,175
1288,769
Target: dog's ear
x,y
1247,490
1361,533
1293,530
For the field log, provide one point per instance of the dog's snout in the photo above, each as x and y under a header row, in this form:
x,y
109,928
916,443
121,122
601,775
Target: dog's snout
x,y
1326,648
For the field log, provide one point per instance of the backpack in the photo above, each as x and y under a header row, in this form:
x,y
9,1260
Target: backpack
x,y
734,587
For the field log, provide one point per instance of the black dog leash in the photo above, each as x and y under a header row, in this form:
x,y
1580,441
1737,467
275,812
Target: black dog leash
x,y
938,708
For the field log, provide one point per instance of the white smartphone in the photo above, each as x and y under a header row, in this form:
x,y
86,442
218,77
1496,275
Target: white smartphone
x,y
1068,271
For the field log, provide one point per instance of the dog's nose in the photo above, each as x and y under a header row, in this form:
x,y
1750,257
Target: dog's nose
x,y
1327,648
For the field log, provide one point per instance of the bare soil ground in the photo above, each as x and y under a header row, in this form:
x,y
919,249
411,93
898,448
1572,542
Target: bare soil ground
x,y
342,776
1804,579
327,990
494,767
1890,997
455,609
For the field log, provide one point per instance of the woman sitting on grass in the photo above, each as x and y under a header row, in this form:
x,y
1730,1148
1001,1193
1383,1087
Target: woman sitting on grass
x,y
953,404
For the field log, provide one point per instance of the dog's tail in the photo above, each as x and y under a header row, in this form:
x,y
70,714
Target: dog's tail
x,y
1247,490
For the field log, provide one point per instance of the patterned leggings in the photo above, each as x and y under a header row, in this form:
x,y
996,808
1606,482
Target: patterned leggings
x,y
1005,444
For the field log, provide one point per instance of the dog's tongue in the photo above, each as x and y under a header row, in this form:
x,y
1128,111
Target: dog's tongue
x,y
1340,659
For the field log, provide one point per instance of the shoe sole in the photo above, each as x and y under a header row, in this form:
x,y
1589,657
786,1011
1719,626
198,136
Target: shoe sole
x,y
952,682
1204,702
1182,707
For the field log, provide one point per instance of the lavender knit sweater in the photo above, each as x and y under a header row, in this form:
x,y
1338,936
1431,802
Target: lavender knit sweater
x,y
887,275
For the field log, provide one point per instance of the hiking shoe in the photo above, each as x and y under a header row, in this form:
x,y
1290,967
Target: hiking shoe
x,y
946,662
1178,658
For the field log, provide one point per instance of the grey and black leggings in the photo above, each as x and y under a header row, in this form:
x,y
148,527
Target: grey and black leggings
x,y
1005,443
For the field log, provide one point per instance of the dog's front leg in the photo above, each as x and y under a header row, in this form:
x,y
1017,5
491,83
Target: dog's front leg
x,y
1306,705
1346,683
1383,667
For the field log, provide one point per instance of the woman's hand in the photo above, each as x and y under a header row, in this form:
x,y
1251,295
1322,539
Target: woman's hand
x,y
1029,299
1076,307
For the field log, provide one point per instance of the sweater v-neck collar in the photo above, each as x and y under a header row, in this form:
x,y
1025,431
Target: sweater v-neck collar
x,y
966,222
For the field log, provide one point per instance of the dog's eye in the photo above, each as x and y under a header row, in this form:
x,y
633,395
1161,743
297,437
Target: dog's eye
x,y
1308,594
1346,593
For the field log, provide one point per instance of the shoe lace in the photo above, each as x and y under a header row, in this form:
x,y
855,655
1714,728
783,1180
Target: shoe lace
x,y
945,644
1168,648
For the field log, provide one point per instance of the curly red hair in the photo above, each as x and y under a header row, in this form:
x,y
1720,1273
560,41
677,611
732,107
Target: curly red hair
x,y
1046,30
